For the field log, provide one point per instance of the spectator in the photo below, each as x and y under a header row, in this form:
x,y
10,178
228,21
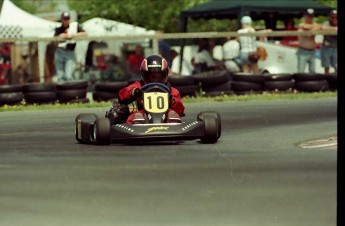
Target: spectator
x,y
231,55
5,63
65,58
203,60
307,45
186,69
164,51
134,61
329,50
248,55
289,26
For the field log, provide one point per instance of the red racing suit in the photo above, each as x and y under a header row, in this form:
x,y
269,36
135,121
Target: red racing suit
x,y
125,97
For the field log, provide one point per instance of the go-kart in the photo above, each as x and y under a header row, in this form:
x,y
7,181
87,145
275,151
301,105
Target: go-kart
x,y
91,129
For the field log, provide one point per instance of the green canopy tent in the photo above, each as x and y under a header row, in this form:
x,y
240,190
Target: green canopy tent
x,y
268,10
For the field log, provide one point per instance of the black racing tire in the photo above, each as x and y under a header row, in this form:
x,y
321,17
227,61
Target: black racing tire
x,y
11,88
210,129
212,77
181,80
188,90
38,87
332,81
278,77
110,87
279,85
247,77
12,98
78,84
303,77
40,97
222,87
239,86
83,131
67,95
103,96
102,131
201,117
312,86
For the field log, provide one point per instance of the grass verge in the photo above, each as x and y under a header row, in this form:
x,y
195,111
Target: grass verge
x,y
248,97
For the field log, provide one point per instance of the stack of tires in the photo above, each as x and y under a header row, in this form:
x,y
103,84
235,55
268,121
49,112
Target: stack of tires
x,y
72,92
214,83
244,83
310,82
332,82
107,91
184,84
279,82
39,93
10,94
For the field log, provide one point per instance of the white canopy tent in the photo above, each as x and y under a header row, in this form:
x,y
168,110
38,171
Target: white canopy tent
x,y
104,27
32,26
16,22
28,25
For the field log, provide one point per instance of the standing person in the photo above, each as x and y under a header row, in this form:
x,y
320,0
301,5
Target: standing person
x,y
231,55
186,69
64,56
248,54
164,51
307,45
134,61
329,50
203,60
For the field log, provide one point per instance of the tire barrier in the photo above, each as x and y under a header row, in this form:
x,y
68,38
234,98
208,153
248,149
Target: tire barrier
x,y
107,91
279,82
312,86
72,91
311,82
245,83
214,83
11,95
332,81
39,93
184,84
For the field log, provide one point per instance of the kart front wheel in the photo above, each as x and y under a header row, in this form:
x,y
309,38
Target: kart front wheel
x,y
215,114
83,124
210,129
102,131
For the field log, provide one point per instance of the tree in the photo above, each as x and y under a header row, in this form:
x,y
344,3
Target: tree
x,y
151,14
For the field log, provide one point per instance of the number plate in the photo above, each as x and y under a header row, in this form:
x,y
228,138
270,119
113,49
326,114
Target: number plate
x,y
156,102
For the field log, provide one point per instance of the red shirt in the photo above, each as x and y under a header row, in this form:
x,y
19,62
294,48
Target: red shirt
x,y
126,97
134,62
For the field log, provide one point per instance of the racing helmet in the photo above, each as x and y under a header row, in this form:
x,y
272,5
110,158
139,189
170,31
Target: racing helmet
x,y
154,68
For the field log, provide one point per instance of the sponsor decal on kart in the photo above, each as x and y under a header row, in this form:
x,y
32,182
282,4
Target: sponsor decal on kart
x,y
157,128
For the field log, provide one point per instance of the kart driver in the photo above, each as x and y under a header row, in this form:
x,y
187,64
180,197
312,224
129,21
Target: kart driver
x,y
153,68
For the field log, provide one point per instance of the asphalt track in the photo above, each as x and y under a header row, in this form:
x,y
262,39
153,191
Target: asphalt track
x,y
255,175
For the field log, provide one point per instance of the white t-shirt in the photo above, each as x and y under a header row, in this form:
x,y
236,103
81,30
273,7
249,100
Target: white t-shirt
x,y
231,49
248,43
204,57
186,67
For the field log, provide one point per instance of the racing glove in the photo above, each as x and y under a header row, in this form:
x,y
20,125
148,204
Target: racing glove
x,y
136,92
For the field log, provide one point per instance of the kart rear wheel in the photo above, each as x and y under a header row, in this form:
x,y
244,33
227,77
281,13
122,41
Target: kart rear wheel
x,y
102,131
82,130
211,129
215,114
